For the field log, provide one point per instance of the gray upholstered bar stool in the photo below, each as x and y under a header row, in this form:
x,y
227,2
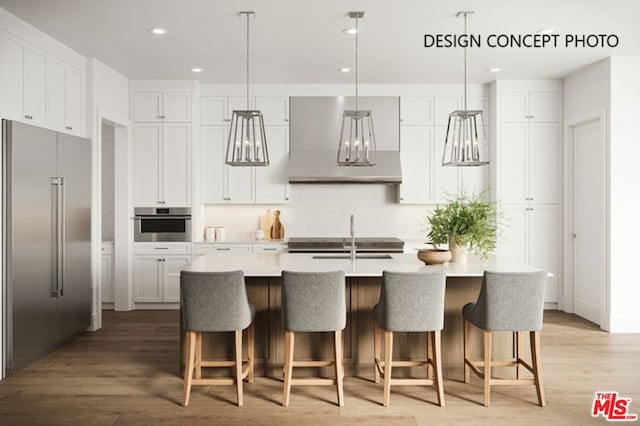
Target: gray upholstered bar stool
x,y
507,302
313,302
409,302
214,302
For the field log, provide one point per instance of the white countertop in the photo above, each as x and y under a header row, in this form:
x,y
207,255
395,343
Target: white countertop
x,y
272,265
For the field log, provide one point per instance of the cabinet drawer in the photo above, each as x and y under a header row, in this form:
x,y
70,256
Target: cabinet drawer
x,y
270,248
162,248
221,248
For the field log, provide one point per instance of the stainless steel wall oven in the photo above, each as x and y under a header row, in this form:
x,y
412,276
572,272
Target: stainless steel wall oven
x,y
163,224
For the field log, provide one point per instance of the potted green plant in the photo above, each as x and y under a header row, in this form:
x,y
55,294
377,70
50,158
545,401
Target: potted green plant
x,y
465,222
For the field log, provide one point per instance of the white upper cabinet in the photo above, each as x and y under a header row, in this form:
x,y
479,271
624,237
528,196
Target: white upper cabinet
x,y
169,107
272,185
415,158
544,163
147,163
443,106
64,97
416,110
213,110
177,164
213,141
445,179
35,88
512,162
275,110
12,76
535,106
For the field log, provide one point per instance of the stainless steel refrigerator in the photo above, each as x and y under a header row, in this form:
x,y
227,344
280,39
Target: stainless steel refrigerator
x,y
46,219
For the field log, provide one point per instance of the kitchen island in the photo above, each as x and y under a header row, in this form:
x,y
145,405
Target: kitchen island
x,y
262,274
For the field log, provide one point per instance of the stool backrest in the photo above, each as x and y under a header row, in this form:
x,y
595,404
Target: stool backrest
x,y
214,301
413,301
511,301
313,301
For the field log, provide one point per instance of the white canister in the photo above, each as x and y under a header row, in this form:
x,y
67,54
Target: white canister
x,y
221,234
210,234
259,234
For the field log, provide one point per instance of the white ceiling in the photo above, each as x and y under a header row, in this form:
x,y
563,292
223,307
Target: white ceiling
x,y
301,41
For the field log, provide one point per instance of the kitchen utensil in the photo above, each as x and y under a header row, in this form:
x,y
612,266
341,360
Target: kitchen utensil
x,y
277,230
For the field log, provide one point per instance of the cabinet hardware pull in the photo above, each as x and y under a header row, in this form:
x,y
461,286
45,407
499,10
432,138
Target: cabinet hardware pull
x,y
29,117
226,120
223,249
68,127
286,119
269,249
286,198
162,248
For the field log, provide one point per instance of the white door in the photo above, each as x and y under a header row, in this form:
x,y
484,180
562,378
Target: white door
x,y
147,279
213,142
35,87
513,234
147,107
544,155
275,110
543,106
512,163
416,110
107,278
172,266
445,179
544,245
589,220
513,106
177,164
11,76
55,94
73,104
213,110
177,107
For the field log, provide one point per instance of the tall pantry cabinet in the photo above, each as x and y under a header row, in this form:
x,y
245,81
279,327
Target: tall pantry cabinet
x,y
526,177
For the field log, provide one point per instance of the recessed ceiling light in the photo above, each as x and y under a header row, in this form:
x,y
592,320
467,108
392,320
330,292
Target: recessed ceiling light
x,y
494,69
345,69
352,30
549,30
158,31
197,69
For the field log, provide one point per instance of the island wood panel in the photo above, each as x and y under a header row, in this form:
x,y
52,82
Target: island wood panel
x,y
361,296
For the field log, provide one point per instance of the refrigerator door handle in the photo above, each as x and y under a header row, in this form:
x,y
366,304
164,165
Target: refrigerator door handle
x,y
62,237
55,182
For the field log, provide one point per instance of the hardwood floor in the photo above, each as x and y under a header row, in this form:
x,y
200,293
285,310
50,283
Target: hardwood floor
x,y
126,374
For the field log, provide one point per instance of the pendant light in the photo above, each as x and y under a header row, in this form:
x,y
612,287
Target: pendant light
x,y
247,144
357,143
466,142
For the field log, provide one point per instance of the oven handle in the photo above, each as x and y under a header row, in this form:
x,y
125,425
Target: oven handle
x,y
161,217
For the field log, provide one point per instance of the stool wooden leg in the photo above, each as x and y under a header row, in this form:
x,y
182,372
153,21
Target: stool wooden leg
x,y
534,337
339,366
437,360
377,337
388,354
198,363
516,343
487,367
430,356
238,334
189,366
251,351
467,349
289,341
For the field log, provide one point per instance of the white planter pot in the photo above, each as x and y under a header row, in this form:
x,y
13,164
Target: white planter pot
x,y
458,253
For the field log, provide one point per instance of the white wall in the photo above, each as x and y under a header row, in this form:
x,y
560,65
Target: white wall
x,y
624,194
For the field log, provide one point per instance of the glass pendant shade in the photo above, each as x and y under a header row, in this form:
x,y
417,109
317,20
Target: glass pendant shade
x,y
466,142
357,145
247,144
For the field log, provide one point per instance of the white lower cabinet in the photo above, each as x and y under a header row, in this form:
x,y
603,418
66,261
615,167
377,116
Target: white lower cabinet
x,y
107,274
156,270
206,248
270,248
530,236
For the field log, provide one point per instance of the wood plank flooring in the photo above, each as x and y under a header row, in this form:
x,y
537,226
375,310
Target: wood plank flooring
x,y
126,374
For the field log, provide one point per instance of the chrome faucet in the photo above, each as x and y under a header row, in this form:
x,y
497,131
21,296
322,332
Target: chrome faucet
x,y
352,247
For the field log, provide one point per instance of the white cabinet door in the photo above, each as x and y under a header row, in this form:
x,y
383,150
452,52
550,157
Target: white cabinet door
x,y
544,156
443,106
176,107
543,107
177,164
272,182
544,245
513,106
511,173
147,107
12,76
213,140
445,179
513,234
270,248
35,88
240,184
275,110
238,103
213,110
172,266
148,274
55,94
107,278
416,110
415,157
73,104
147,161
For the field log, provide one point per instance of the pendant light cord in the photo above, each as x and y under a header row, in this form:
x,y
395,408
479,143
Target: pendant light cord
x,y
465,63
357,31
248,61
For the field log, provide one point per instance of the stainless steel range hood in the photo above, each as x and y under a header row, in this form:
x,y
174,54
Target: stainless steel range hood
x,y
314,128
